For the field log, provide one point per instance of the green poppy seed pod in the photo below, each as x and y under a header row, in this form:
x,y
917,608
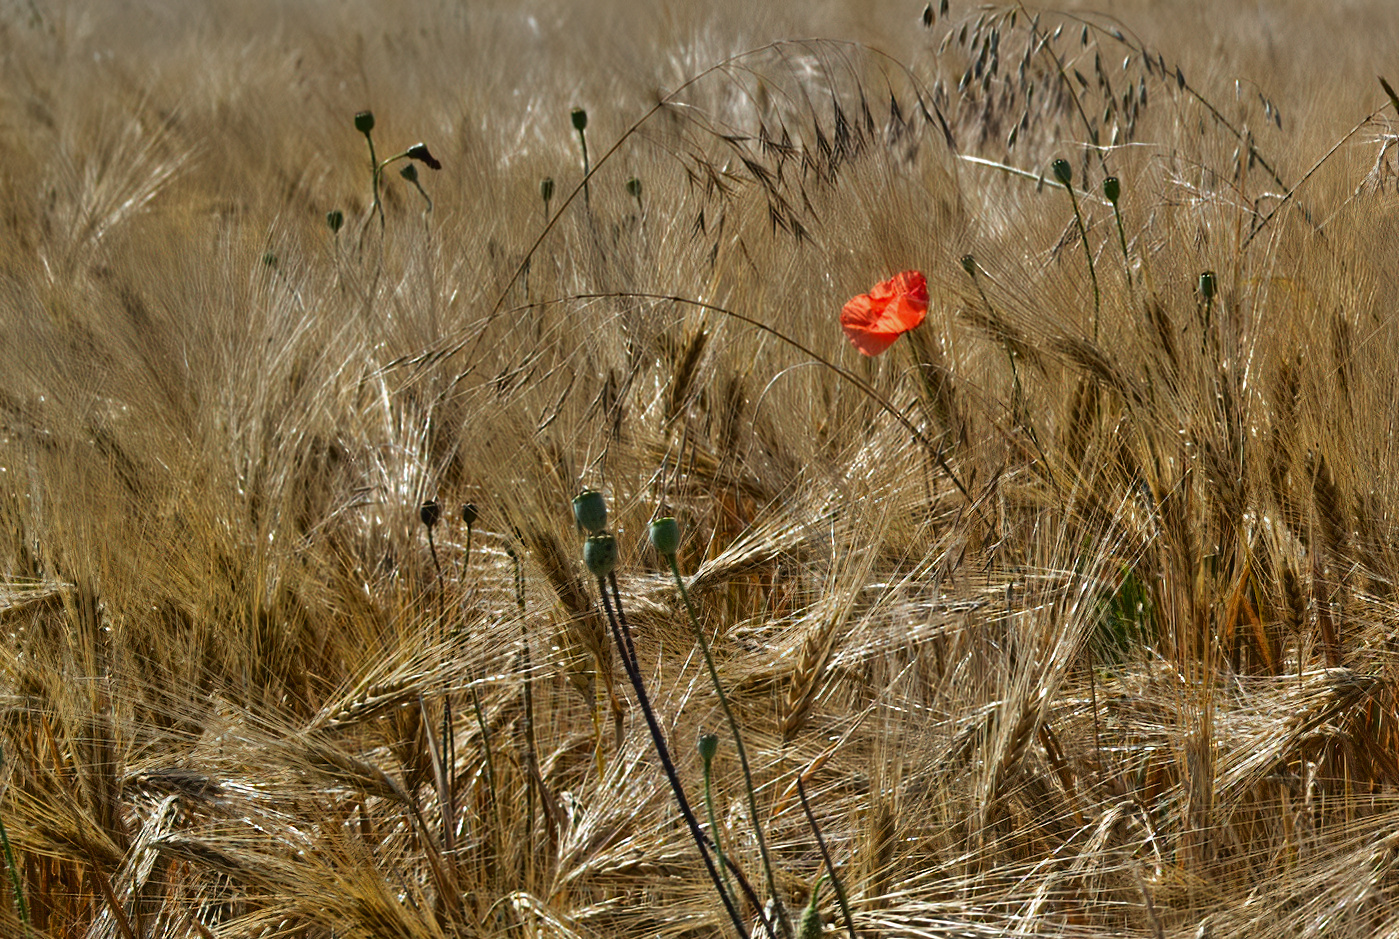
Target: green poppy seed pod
x,y
580,120
1112,188
364,122
1207,285
969,264
590,511
600,554
409,172
420,152
546,189
469,513
1063,172
708,746
335,219
634,188
430,513
665,536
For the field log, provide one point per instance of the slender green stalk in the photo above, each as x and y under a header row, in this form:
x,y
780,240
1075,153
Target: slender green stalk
x,y
21,907
782,917
708,746
364,123
1112,189
1064,174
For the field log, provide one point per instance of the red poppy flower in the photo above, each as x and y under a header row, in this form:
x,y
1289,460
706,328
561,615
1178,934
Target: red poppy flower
x,y
874,320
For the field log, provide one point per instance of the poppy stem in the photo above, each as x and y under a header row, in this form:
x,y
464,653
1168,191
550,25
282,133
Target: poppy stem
x,y
782,918
826,856
884,403
622,636
1088,253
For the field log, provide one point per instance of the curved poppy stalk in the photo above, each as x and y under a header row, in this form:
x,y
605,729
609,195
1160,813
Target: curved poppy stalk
x,y
872,321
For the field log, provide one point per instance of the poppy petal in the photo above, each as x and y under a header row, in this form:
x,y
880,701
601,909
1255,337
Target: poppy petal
x,y
873,321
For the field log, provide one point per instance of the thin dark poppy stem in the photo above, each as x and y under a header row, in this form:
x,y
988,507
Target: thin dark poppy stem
x,y
751,792
632,663
749,893
466,554
1088,253
437,565
622,637
826,856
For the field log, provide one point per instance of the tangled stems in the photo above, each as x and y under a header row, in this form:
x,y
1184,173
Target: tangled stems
x,y
665,534
622,636
826,856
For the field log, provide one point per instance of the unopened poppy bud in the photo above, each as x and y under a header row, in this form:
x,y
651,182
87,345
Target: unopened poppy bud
x,y
419,151
430,513
590,511
634,188
580,120
1207,285
546,189
1063,172
409,172
469,514
969,264
1112,189
665,536
708,746
600,554
335,219
364,121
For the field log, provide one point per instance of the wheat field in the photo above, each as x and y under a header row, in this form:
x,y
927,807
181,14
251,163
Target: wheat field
x,y
1072,614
